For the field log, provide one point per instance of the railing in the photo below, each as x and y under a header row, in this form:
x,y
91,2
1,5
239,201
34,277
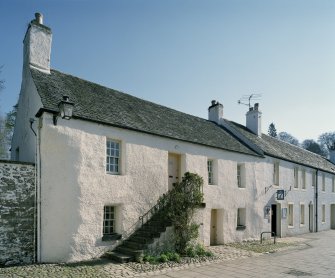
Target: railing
x,y
163,204
272,233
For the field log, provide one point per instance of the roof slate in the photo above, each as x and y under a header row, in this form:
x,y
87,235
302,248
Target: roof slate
x,y
277,148
97,103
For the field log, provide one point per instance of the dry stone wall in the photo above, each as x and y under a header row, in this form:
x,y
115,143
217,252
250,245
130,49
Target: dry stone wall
x,y
17,195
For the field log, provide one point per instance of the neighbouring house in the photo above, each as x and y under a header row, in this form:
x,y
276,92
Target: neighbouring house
x,y
103,166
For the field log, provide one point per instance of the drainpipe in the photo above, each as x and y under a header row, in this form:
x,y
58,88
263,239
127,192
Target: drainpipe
x,y
31,121
316,200
39,221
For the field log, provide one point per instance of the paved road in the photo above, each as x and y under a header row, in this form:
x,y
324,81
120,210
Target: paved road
x,y
316,260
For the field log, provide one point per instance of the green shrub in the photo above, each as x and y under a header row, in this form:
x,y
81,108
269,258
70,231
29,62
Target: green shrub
x,y
163,258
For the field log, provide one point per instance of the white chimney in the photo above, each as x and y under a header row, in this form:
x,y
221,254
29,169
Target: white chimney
x,y
254,120
215,112
37,45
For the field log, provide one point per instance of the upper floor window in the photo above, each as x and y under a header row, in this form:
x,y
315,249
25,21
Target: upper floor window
x,y
303,176
323,182
210,171
296,177
113,157
302,214
276,173
313,178
333,184
240,173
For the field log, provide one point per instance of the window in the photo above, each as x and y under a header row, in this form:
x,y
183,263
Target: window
x,y
333,184
323,182
303,186
109,220
323,213
290,215
240,180
313,178
296,177
276,173
241,218
113,157
210,171
302,214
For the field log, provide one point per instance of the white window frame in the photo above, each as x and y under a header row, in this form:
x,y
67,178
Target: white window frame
x,y
302,214
240,175
276,173
210,168
290,215
314,177
113,156
323,188
296,177
303,178
241,217
323,214
108,226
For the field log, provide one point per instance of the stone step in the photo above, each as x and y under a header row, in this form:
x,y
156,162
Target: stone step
x,y
141,239
119,257
128,251
135,245
147,234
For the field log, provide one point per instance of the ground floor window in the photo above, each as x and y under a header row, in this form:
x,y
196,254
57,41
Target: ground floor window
x,y
302,214
290,215
241,218
323,213
109,220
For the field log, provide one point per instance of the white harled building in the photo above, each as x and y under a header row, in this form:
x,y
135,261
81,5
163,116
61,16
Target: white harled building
x,y
103,165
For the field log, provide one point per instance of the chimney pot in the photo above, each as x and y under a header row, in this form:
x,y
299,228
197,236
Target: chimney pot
x,y
213,102
256,106
39,18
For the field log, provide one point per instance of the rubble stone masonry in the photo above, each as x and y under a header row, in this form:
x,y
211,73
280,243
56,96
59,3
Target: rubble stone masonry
x,y
17,198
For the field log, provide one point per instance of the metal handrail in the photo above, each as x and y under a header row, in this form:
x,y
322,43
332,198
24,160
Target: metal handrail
x,y
272,233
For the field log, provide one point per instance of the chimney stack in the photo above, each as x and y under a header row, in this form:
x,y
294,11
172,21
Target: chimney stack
x,y
254,120
37,45
215,112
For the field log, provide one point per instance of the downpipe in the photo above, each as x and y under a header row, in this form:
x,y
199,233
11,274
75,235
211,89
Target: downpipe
x,y
316,200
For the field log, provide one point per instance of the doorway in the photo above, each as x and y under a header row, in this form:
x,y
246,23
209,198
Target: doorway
x,y
173,169
332,216
310,218
213,233
274,219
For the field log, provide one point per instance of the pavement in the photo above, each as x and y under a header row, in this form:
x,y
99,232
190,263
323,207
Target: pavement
x,y
315,259
314,256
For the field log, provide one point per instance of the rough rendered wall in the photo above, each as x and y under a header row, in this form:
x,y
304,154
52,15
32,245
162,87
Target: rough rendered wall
x,y
16,213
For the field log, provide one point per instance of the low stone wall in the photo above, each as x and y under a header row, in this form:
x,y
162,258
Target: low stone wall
x,y
165,243
17,197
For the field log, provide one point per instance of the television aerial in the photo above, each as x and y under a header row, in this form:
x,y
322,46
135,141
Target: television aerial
x,y
247,99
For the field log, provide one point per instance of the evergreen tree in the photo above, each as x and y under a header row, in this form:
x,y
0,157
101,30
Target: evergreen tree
x,y
272,131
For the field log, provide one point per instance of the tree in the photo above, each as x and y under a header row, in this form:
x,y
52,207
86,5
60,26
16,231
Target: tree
x,y
312,146
272,131
288,138
327,141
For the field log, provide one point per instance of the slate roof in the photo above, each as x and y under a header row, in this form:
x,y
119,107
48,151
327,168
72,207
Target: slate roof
x,y
100,104
277,148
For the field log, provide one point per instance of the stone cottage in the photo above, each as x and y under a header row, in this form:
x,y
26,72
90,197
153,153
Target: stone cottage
x,y
103,158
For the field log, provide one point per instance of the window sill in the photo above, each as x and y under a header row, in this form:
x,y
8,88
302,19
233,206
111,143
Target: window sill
x,y
323,223
111,237
295,188
302,225
213,184
240,228
241,187
290,227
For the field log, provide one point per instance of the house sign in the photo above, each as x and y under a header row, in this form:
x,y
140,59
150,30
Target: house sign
x,y
280,195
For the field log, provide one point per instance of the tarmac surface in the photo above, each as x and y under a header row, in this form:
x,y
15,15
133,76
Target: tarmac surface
x,y
311,255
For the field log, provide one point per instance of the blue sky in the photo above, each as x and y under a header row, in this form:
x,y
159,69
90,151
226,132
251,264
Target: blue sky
x,y
184,53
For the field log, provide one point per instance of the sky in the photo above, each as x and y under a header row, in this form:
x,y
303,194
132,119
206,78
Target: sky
x,y
184,53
